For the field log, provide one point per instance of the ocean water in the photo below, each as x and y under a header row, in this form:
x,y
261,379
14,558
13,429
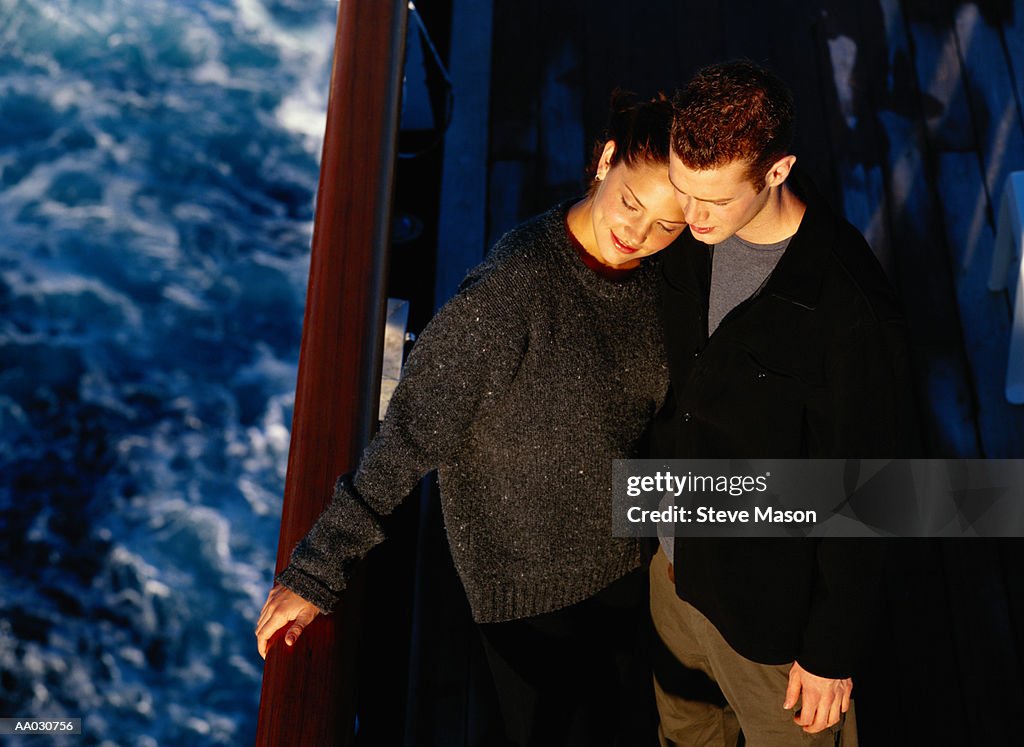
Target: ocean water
x,y
158,163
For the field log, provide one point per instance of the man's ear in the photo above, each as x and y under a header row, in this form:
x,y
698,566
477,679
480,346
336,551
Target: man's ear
x,y
779,171
604,165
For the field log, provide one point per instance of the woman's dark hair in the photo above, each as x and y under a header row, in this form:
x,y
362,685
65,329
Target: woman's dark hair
x,y
639,128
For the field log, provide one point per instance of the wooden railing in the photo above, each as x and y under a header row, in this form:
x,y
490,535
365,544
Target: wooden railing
x,y
308,691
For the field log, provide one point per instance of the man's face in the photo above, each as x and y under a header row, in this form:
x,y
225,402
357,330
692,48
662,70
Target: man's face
x,y
718,202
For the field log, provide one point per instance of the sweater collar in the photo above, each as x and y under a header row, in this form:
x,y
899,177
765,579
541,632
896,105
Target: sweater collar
x,y
611,284
614,274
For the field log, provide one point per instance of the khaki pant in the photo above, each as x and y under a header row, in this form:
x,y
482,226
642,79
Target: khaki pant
x,y
755,692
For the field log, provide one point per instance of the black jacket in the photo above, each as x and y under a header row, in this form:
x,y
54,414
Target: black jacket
x,y
814,365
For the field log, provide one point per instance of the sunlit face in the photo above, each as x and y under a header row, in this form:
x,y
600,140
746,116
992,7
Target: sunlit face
x,y
719,202
633,212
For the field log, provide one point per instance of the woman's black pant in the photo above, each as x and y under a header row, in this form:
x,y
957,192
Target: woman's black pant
x,y
578,675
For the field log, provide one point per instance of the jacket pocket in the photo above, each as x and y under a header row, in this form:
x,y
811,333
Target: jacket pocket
x,y
787,364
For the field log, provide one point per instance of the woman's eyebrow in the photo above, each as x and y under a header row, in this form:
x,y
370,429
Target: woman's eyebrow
x,y
663,220
634,195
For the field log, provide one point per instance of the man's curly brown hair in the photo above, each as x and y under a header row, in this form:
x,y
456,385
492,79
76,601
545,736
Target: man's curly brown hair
x,y
733,111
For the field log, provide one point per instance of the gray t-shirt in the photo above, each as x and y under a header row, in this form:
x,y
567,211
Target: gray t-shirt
x,y
739,269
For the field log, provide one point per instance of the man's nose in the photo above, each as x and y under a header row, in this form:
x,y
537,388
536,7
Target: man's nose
x,y
693,212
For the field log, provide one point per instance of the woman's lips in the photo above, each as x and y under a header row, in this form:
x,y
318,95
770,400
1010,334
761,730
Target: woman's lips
x,y
624,248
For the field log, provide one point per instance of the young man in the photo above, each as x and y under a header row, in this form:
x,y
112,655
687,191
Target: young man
x,y
785,340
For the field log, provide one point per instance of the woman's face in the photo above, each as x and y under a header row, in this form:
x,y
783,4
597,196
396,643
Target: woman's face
x,y
634,211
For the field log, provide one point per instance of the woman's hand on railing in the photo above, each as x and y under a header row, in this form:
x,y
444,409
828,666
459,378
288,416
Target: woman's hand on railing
x,y
283,606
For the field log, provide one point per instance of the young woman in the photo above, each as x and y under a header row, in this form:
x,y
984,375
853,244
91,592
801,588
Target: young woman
x,y
546,366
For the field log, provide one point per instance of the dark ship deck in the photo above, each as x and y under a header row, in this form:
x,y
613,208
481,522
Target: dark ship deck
x,y
910,118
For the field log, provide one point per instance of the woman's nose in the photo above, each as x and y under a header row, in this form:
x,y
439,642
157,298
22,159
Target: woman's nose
x,y
636,233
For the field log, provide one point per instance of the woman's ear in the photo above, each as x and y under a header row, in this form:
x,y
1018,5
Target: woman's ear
x,y
604,165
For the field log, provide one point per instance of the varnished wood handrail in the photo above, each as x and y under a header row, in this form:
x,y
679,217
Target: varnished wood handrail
x,y
308,691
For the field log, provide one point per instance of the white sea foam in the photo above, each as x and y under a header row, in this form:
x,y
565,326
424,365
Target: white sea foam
x,y
304,110
151,268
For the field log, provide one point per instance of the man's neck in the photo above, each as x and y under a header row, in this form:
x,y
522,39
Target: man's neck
x,y
777,220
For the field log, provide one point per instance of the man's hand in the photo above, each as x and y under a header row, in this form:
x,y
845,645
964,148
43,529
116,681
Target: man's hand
x,y
283,606
822,700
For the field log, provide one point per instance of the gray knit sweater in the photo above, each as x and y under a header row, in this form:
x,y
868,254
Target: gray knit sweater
x,y
520,392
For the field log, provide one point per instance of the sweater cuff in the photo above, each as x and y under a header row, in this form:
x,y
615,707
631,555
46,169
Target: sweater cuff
x,y
309,588
320,564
